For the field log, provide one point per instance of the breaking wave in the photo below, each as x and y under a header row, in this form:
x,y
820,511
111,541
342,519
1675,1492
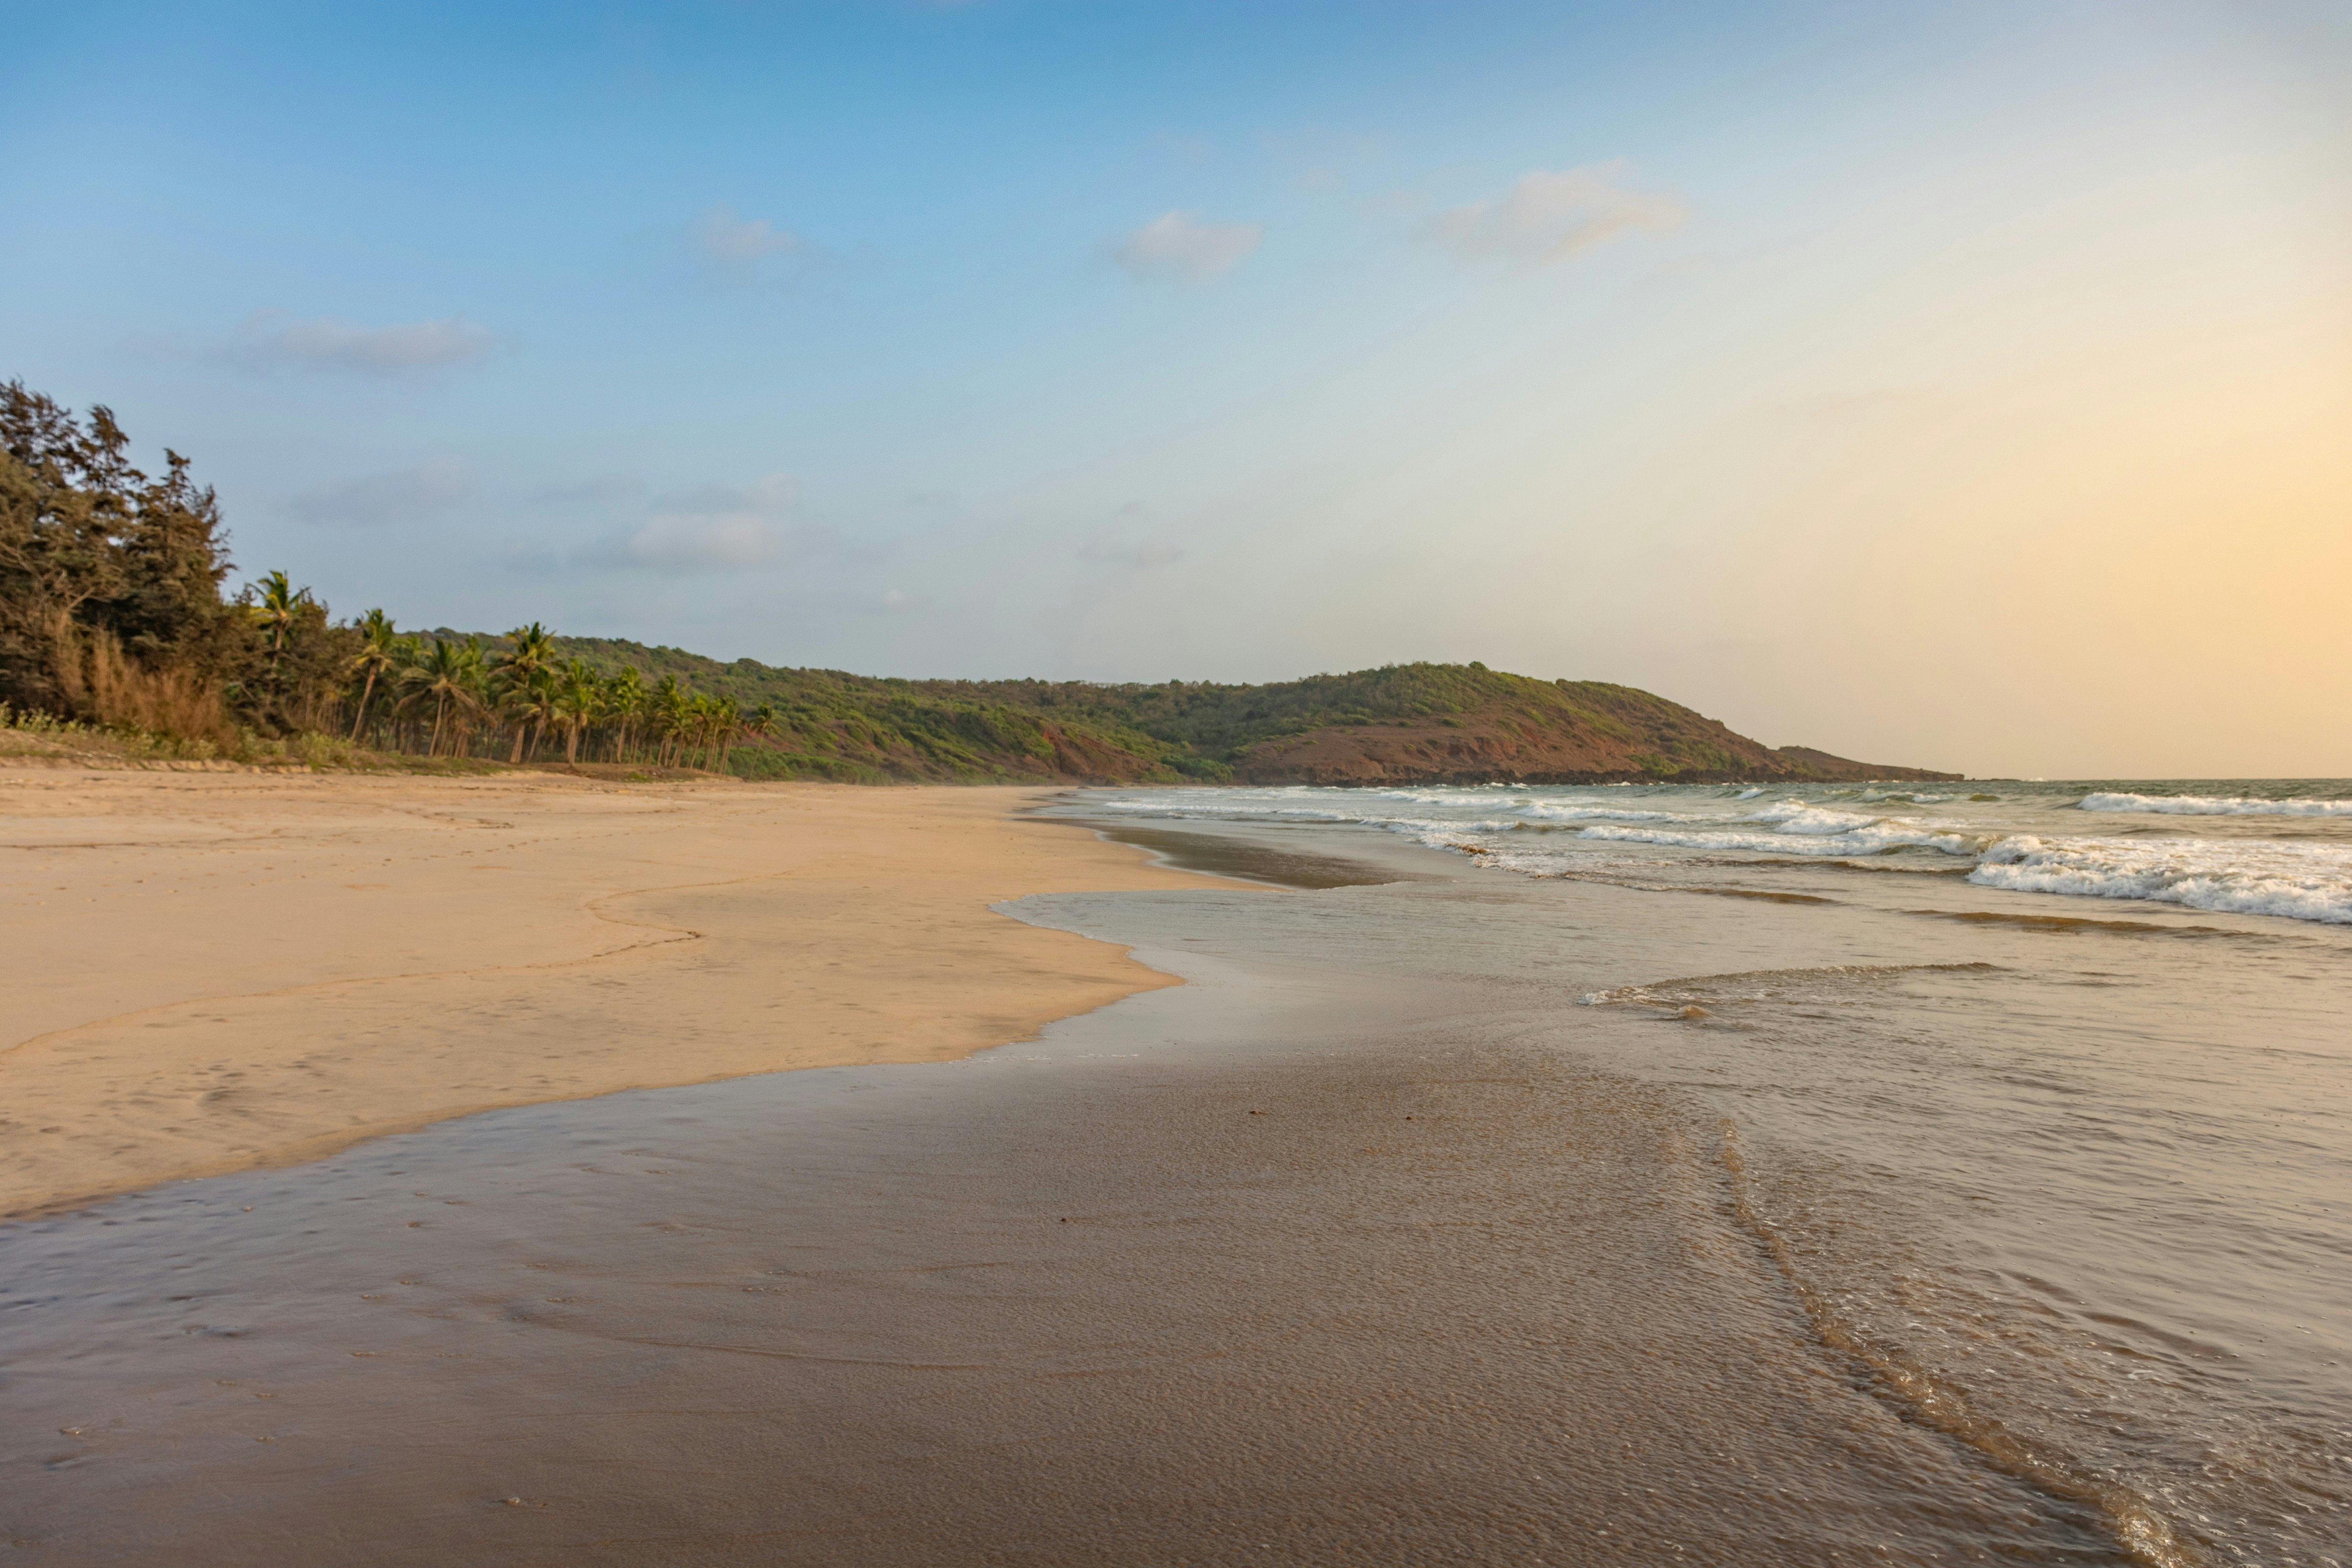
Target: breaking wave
x,y
1809,835
2299,881
2214,806
2021,843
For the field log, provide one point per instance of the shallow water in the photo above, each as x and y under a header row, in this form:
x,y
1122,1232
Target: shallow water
x,y
2074,1177
1456,1216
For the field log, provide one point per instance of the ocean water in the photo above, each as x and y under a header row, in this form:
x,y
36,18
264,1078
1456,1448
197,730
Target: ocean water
x,y
2281,848
2037,1096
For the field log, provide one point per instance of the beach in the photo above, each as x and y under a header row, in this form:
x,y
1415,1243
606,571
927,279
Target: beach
x,y
211,971
1671,1203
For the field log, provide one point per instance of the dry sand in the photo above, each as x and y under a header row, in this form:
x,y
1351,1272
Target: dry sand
x,y
208,971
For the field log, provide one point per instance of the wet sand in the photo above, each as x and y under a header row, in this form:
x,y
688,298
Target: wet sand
x,y
1292,1265
210,972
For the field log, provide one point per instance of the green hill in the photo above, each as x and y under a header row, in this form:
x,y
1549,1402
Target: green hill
x,y
113,614
1419,724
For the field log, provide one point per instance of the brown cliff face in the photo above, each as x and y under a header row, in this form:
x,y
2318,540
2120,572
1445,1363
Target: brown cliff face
x,y
1611,735
1470,752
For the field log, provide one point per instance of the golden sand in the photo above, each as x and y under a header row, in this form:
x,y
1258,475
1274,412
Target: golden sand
x,y
204,972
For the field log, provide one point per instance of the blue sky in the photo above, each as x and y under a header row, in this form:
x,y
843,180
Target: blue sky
x,y
1878,378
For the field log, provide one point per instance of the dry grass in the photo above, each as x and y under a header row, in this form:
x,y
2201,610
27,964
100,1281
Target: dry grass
x,y
43,739
97,678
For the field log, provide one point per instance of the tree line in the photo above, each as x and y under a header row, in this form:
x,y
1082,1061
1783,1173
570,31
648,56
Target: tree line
x,y
444,696
113,613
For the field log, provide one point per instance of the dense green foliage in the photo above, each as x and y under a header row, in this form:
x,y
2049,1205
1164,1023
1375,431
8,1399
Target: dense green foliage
x,y
859,728
835,724
111,607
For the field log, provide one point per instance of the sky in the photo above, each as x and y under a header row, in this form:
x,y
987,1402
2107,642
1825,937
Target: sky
x,y
1966,385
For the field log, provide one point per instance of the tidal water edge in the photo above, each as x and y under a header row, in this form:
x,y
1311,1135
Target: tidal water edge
x,y
1688,1209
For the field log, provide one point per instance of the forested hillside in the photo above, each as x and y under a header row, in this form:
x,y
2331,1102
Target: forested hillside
x,y
1414,723
114,619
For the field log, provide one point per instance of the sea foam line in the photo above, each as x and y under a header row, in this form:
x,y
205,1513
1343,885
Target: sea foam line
x,y
2303,882
2213,805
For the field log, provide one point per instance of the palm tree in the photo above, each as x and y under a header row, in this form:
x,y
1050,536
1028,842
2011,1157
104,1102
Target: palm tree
x,y
379,651
407,653
726,718
528,647
625,699
280,603
578,701
665,715
524,690
448,673
708,718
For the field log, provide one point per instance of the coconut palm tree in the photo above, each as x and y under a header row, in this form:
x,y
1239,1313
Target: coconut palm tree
x,y
625,699
578,701
523,690
721,720
447,674
694,730
281,601
666,717
529,649
378,652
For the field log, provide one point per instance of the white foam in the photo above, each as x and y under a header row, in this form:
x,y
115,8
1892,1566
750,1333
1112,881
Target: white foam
x,y
2296,879
2260,877
1597,811
2214,806
1871,838
1796,816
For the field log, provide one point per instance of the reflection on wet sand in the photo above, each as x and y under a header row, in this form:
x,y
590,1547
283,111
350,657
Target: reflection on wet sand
x,y
1225,1278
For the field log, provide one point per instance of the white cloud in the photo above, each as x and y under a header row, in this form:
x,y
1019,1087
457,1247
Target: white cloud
x,y
770,495
1552,215
673,542
603,490
397,495
733,241
714,529
267,338
1179,247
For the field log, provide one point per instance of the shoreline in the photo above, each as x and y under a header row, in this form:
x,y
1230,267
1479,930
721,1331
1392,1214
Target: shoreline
x,y
316,962
1311,1260
1420,1178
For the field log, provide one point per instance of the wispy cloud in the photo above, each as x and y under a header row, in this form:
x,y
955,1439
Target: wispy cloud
x,y
1178,247
674,541
601,490
394,496
717,528
268,338
737,245
1549,216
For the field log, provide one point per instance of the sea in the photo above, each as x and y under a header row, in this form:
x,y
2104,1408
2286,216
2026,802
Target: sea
x,y
1648,1174
2037,1096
